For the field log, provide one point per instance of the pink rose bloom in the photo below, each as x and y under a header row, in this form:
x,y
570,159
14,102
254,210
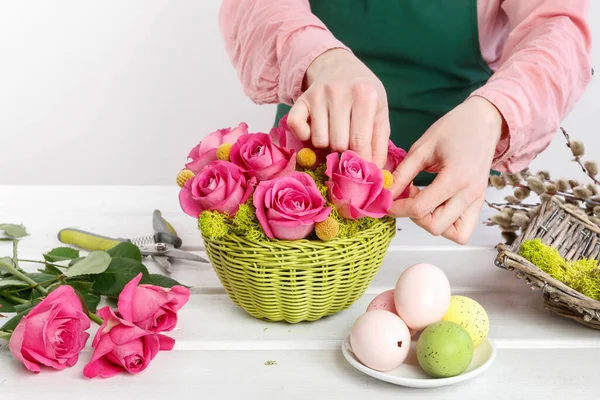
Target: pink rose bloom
x,y
53,333
121,345
395,156
206,152
288,207
150,307
283,136
257,156
221,186
356,186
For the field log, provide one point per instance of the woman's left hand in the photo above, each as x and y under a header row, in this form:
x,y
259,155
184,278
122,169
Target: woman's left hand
x,y
460,148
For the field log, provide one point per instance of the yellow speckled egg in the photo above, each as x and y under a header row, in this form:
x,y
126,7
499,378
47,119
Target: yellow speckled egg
x,y
469,314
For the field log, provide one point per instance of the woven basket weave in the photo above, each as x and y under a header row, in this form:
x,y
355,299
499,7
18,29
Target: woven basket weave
x,y
303,280
575,237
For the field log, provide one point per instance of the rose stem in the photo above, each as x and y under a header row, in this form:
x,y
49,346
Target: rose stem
x,y
14,298
25,278
5,335
58,277
95,318
43,262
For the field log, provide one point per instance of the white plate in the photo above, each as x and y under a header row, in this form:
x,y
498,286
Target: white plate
x,y
410,373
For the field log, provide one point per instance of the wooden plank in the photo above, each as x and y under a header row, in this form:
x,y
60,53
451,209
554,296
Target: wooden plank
x,y
516,374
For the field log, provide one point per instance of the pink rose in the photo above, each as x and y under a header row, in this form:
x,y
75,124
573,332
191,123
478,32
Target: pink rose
x,y
356,186
121,345
283,136
150,307
257,156
395,156
220,186
206,152
53,333
288,207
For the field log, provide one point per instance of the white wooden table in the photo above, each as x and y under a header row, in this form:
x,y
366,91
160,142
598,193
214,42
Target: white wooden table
x,y
221,352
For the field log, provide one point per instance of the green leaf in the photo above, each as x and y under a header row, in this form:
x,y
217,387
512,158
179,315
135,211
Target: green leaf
x,y
26,307
80,285
12,323
14,231
6,260
6,283
40,277
6,305
126,250
61,254
91,300
50,269
120,271
75,261
163,281
95,263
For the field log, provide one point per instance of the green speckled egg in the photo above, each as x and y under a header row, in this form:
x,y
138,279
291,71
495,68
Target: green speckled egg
x,y
444,349
470,315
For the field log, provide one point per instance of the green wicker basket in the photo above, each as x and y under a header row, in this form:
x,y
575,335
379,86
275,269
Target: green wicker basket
x,y
302,280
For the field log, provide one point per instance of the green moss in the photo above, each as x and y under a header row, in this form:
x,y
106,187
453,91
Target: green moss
x,y
246,224
318,174
582,275
214,224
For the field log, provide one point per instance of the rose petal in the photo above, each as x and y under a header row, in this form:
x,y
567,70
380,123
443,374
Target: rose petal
x,y
166,343
285,230
127,297
101,367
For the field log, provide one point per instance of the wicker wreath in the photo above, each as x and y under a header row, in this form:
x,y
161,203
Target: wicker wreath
x,y
575,237
301,280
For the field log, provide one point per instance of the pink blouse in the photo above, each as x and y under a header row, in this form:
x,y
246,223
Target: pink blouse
x,y
538,49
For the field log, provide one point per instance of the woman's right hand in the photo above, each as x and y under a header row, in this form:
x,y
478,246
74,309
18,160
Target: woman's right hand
x,y
344,107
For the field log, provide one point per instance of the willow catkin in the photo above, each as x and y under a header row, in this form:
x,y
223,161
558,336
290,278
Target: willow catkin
x,y
582,192
513,179
595,220
521,193
562,185
512,199
544,197
520,219
577,148
573,183
592,188
509,237
501,219
591,167
597,211
536,184
551,188
508,211
544,175
498,182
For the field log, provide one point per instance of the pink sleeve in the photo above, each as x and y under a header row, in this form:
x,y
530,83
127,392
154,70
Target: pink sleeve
x,y
544,69
271,44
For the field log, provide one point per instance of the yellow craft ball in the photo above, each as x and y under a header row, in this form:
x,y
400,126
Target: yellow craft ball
x,y
306,158
223,151
183,176
388,179
469,314
328,229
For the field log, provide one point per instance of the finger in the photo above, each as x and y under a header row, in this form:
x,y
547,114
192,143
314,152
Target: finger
x,y
319,119
431,197
364,108
400,207
381,136
298,120
446,214
461,231
340,109
414,162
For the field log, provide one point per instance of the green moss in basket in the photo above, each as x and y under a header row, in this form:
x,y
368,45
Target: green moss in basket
x,y
214,225
582,275
318,174
246,224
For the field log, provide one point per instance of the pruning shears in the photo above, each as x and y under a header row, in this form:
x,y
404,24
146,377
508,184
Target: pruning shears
x,y
162,246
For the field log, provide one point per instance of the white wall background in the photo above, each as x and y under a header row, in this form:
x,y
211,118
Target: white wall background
x,y
116,92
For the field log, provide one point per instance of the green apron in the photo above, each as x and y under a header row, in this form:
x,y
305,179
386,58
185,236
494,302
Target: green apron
x,y
425,52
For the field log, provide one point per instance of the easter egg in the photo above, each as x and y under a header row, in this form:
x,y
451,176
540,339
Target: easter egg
x,y
380,340
422,295
444,349
470,315
383,301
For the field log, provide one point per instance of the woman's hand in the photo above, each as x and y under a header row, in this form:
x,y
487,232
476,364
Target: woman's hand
x,y
459,147
344,107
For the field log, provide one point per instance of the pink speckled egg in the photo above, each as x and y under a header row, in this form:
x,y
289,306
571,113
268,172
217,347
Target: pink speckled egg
x,y
422,295
380,340
383,301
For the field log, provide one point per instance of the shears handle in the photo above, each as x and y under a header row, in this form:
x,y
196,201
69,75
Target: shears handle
x,y
164,231
87,240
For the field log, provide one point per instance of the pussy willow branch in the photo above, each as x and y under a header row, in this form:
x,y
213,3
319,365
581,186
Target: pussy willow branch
x,y
578,159
562,194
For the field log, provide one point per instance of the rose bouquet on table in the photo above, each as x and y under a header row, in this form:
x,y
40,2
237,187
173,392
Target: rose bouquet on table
x,y
275,187
53,308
